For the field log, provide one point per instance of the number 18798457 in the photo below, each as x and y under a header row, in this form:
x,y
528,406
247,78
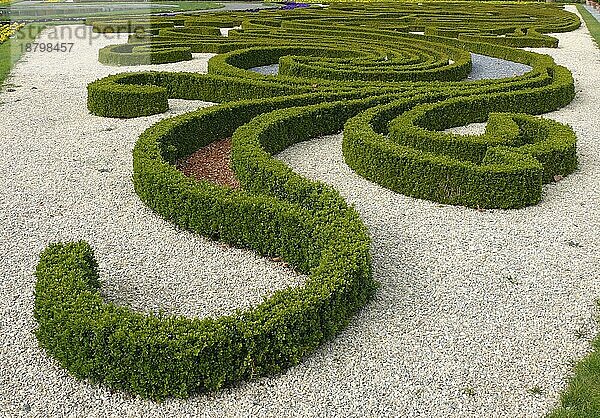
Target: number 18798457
x,y
47,47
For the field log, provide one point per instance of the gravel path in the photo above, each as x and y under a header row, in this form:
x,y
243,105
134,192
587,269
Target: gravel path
x,y
67,176
271,69
476,310
487,68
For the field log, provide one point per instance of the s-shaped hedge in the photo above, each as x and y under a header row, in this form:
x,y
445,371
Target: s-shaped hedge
x,y
392,135
312,228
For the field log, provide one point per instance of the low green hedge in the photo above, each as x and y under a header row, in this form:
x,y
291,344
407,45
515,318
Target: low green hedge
x,y
474,171
310,226
419,127
107,98
278,213
130,95
123,95
531,40
108,26
142,55
431,65
545,88
501,36
506,179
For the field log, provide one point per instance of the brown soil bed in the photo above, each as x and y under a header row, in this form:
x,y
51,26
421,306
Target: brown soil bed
x,y
211,163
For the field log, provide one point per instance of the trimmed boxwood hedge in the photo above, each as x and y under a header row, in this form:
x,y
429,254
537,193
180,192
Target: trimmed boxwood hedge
x,y
313,229
545,88
357,69
532,39
494,170
128,54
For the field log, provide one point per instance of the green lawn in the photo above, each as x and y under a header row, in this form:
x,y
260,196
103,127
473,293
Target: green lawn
x,y
12,49
591,22
581,399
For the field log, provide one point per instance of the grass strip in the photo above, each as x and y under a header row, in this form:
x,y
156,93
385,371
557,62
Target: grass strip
x,y
581,399
591,22
12,50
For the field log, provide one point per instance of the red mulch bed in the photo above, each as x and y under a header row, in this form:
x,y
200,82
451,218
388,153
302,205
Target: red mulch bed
x,y
211,163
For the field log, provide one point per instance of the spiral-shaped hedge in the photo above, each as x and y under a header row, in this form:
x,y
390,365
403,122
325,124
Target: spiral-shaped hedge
x,y
353,67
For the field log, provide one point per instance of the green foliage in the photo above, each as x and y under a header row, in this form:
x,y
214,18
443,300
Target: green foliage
x,y
130,25
127,100
130,95
518,39
129,54
309,225
504,168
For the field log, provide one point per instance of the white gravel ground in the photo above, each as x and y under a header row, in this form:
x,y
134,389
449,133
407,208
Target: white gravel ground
x,y
470,129
476,309
487,68
69,177
271,69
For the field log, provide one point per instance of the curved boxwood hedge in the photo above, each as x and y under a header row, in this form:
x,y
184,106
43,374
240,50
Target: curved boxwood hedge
x,y
141,55
312,228
504,168
546,87
358,69
520,39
